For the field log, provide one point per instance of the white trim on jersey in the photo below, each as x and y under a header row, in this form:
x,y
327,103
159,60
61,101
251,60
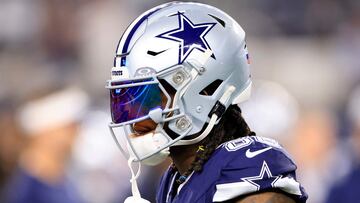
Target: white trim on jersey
x,y
288,185
229,191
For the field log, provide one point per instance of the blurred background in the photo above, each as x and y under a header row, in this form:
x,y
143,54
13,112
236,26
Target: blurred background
x,y
306,70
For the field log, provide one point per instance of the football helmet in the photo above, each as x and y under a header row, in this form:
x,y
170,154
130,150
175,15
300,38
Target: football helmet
x,y
181,65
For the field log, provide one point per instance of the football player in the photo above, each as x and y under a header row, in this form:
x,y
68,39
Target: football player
x,y
179,73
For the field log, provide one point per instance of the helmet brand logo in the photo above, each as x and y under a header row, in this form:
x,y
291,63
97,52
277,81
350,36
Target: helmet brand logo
x,y
143,72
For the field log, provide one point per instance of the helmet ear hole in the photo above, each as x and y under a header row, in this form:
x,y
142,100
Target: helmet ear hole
x,y
170,89
211,88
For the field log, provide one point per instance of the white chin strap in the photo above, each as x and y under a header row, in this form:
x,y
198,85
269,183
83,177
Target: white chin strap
x,y
223,100
136,197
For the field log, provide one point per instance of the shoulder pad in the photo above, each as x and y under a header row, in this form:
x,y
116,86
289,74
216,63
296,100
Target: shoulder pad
x,y
251,152
255,164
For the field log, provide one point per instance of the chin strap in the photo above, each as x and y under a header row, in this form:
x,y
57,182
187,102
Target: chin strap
x,y
217,111
136,198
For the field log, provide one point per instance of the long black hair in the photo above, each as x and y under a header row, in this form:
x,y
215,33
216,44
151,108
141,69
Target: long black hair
x,y
231,126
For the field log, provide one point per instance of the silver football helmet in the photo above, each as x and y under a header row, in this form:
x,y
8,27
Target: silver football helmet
x,y
181,65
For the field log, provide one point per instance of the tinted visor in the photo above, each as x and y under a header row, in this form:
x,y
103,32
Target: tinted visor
x,y
130,103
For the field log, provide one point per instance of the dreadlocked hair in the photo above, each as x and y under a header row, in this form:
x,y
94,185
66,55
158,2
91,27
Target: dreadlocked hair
x,y
231,126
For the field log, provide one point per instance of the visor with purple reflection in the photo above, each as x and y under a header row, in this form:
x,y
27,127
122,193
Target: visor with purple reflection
x,y
131,100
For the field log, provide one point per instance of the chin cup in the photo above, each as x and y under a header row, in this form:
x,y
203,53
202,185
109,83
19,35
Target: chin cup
x,y
157,158
146,144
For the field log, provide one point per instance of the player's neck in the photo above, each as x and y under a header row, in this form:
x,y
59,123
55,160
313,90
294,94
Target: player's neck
x,y
183,156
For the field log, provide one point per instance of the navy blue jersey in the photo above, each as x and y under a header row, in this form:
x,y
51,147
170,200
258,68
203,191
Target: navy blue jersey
x,y
236,168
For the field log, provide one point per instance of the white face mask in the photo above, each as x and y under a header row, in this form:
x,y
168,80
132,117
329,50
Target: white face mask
x,y
146,144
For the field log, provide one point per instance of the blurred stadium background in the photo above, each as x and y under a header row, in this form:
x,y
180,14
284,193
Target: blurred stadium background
x,y
304,60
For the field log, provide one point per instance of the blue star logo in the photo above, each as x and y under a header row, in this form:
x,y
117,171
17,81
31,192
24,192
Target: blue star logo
x,y
264,180
191,36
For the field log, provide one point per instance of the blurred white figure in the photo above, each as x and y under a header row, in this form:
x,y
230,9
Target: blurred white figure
x,y
100,171
271,111
98,166
50,120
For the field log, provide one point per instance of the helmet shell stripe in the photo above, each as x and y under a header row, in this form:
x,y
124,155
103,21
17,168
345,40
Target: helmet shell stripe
x,y
136,24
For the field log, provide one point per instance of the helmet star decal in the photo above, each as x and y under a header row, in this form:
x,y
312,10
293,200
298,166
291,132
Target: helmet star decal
x,y
191,36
